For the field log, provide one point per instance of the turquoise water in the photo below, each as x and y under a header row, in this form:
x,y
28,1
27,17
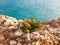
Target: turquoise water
x,y
44,10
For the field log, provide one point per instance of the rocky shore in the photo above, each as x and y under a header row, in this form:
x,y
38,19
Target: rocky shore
x,y
12,34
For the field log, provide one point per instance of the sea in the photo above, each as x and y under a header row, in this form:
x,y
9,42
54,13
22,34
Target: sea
x,y
44,10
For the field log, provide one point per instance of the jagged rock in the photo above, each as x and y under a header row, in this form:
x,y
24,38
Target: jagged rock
x,y
13,42
11,34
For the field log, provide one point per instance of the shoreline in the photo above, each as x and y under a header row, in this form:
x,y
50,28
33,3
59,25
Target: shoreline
x,y
11,32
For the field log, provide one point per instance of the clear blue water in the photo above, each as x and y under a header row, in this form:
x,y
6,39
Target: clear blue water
x,y
44,10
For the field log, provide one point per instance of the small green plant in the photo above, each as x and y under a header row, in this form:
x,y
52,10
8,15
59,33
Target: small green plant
x,y
30,25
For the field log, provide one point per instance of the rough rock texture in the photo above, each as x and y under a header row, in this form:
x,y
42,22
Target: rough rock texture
x,y
54,23
11,34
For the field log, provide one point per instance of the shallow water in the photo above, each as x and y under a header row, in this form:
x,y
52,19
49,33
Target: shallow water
x,y
44,10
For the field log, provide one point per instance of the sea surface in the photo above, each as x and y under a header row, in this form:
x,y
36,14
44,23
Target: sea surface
x,y
44,10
